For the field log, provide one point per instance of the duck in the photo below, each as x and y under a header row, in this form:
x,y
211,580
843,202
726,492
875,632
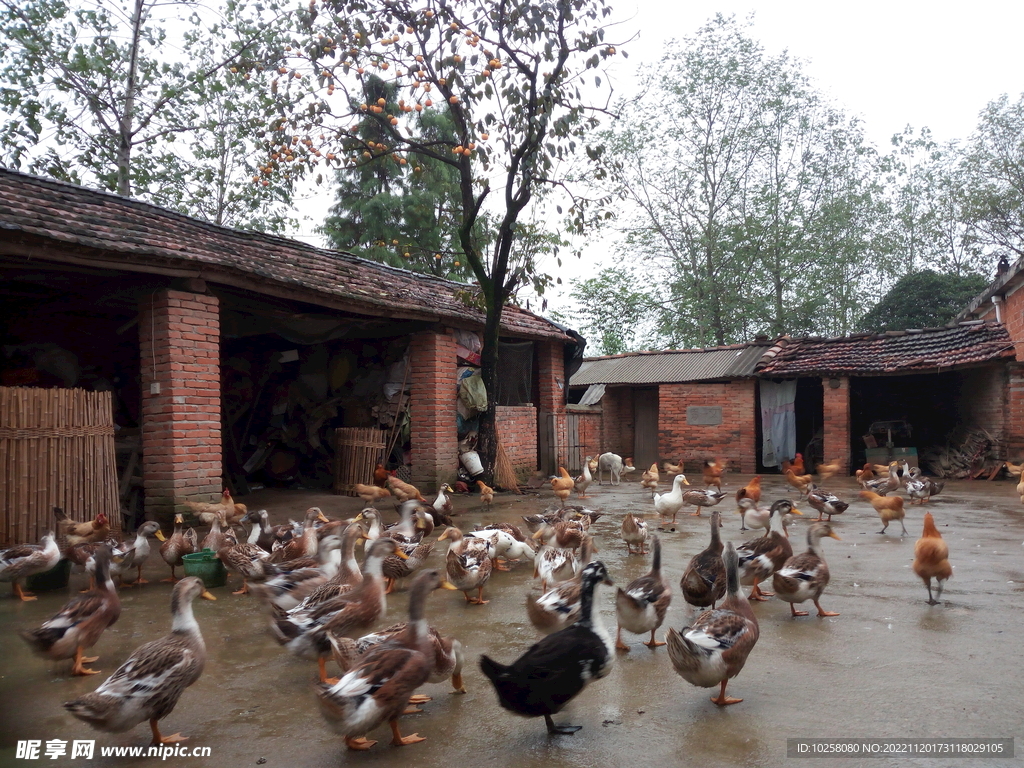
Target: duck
x,y
261,534
714,649
670,503
560,606
396,568
442,507
468,563
24,560
535,522
416,522
567,534
304,545
640,607
504,546
81,622
136,554
513,530
247,559
554,564
887,484
305,631
562,485
650,478
752,516
583,481
931,559
378,688
371,517
217,538
349,574
804,577
80,556
178,545
703,582
148,685
761,557
698,498
557,668
289,583
919,487
635,533
826,503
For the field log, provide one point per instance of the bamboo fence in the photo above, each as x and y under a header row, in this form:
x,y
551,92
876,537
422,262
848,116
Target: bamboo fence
x,y
358,450
56,450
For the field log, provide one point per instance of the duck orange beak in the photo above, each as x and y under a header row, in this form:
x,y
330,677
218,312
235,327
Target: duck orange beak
x,y
448,585
797,512
160,535
835,536
399,553
321,518
206,595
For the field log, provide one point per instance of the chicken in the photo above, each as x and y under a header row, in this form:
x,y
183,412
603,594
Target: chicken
x,y
751,490
713,473
207,512
650,478
1017,469
403,491
866,474
380,476
825,471
563,485
371,493
931,559
797,465
487,493
81,533
672,469
800,482
889,508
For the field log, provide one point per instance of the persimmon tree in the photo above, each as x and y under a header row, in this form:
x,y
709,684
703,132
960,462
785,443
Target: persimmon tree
x,y
512,80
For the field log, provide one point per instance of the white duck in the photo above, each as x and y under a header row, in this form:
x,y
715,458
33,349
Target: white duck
x,y
670,503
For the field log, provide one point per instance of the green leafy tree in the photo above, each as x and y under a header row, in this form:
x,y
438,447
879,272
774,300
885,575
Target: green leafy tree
x,y
924,299
507,76
753,210
136,100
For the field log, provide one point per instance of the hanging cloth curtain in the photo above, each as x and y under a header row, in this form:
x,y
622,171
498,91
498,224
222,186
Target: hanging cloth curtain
x,y
778,421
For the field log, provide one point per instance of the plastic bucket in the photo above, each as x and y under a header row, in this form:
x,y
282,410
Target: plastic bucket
x,y
207,567
471,461
47,581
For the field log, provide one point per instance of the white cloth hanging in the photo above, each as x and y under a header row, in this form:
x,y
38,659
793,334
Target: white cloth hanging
x,y
778,421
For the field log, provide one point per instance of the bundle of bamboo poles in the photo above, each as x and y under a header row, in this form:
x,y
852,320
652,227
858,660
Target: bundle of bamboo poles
x,y
358,450
56,450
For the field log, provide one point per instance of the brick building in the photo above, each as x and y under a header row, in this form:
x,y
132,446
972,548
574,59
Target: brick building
x,y
228,350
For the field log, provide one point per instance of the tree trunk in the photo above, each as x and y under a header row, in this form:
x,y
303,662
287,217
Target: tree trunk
x,y
126,125
487,442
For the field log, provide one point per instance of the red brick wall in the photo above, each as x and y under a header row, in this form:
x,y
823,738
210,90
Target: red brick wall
x,y
551,376
982,401
517,427
179,340
1012,314
591,430
732,440
836,423
432,409
1013,426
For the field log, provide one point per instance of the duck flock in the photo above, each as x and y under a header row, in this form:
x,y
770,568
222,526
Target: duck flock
x,y
323,605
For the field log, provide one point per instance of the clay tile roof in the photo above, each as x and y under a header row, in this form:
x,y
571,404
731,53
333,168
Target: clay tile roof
x,y
106,227
917,350
671,366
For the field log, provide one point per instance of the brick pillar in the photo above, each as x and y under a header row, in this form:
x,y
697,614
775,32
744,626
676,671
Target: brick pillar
x,y
836,422
551,421
1013,425
179,341
435,451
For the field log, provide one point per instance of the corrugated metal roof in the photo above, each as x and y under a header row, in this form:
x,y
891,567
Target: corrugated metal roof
x,y
732,362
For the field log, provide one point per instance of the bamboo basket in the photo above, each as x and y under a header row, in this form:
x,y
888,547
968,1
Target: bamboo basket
x,y
56,450
357,452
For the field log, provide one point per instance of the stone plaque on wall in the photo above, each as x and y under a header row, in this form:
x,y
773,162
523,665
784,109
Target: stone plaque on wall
x,y
704,415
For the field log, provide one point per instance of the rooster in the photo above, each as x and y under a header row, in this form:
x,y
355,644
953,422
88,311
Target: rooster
x,y
797,465
81,533
931,559
713,473
751,490
380,476
207,513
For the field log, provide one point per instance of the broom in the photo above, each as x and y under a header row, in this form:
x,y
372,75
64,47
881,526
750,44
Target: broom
x,y
504,474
